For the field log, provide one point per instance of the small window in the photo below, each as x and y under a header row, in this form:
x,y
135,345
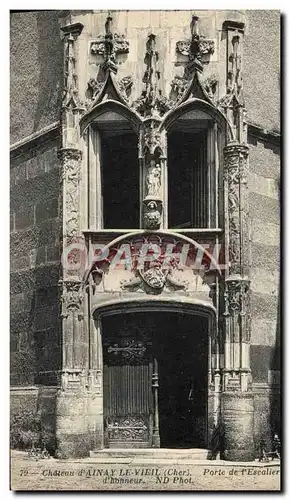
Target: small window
x,y
120,181
192,172
114,156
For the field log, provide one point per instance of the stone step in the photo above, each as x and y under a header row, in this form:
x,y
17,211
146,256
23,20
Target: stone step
x,y
152,453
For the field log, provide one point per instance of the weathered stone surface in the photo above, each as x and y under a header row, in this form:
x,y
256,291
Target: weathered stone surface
x,y
238,426
38,35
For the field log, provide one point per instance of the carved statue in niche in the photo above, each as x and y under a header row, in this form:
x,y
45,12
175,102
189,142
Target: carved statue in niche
x,y
152,214
153,180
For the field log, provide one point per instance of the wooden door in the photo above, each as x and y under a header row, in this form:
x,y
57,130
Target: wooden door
x,y
128,398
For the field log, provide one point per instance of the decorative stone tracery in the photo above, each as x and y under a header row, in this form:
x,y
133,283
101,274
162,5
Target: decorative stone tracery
x,y
232,103
236,188
151,102
70,177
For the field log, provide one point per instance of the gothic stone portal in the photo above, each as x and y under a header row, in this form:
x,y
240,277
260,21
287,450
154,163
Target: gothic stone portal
x,y
155,380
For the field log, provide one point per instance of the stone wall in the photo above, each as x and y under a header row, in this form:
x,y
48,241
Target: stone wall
x,y
264,187
36,68
261,73
35,263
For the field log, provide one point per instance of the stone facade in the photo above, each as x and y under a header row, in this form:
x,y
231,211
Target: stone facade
x,y
145,71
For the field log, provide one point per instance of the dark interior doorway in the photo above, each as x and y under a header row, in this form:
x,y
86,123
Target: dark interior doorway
x,y
179,343
181,347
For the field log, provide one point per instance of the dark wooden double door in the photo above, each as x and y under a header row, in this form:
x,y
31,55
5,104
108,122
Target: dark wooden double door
x,y
155,380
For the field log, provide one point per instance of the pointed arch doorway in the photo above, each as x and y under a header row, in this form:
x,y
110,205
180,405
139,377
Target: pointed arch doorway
x,y
156,377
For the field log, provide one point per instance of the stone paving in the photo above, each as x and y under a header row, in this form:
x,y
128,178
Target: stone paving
x,y
136,474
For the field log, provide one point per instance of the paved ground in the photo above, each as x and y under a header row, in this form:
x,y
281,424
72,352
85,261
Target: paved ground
x,y
137,474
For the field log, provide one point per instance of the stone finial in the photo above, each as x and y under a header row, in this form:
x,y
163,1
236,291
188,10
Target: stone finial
x,y
110,45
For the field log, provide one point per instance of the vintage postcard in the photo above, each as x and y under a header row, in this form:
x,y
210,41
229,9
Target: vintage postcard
x,y
145,293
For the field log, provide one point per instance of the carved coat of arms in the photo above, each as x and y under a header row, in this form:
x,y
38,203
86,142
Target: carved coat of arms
x,y
155,277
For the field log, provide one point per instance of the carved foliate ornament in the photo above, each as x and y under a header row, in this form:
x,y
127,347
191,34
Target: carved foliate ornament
x,y
191,84
235,176
95,87
210,85
110,46
237,304
151,102
152,140
127,428
105,86
125,86
70,177
195,48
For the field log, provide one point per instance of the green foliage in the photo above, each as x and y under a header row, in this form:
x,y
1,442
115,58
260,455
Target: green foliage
x,y
25,430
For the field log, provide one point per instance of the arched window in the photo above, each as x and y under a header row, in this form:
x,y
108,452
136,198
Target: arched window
x,y
194,142
114,172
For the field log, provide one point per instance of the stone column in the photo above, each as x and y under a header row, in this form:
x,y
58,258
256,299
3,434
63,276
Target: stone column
x,y
73,437
237,399
71,431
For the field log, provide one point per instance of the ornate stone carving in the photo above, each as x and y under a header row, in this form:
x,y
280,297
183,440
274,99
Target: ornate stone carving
x,y
232,103
125,86
210,85
151,140
127,428
237,303
71,174
204,46
151,102
179,86
195,48
153,180
72,298
154,279
191,84
235,176
152,214
95,87
110,46
70,91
